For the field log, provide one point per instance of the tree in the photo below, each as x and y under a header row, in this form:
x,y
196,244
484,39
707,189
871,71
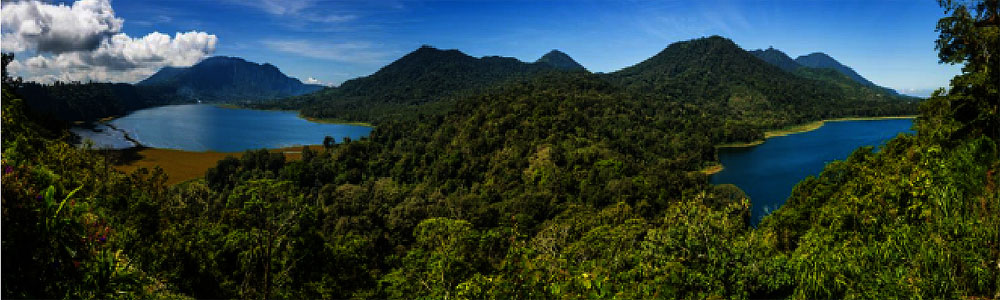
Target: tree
x,y
971,35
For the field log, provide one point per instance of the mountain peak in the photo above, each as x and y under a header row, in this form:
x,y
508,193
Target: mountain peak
x,y
560,60
224,78
822,60
777,58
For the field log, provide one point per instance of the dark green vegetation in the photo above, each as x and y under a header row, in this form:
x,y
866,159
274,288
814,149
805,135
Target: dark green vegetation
x,y
564,185
91,101
560,60
83,102
752,95
713,73
426,80
229,79
821,60
818,66
777,58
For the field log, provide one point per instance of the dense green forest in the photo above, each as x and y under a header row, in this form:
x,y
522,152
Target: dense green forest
x,y
711,71
560,60
818,62
423,81
556,185
71,102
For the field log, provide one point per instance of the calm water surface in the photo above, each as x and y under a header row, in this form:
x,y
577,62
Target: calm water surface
x,y
768,172
201,127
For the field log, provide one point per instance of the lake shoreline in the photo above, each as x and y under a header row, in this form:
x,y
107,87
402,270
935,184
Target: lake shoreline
x,y
806,128
300,115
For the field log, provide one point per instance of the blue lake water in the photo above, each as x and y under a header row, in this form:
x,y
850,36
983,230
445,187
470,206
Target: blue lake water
x,y
201,127
768,172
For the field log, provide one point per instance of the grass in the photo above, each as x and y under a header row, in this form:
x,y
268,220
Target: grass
x,y
182,165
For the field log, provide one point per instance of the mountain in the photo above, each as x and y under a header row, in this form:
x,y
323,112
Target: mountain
x,y
821,60
560,60
715,72
225,79
813,65
418,80
716,69
777,58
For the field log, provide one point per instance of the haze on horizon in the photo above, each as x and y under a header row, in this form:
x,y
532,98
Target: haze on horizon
x,y
328,42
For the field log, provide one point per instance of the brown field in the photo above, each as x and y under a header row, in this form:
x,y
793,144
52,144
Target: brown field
x,y
712,169
182,166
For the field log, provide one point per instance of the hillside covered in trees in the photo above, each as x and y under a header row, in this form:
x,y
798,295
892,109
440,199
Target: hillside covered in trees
x,y
424,80
819,63
558,185
710,72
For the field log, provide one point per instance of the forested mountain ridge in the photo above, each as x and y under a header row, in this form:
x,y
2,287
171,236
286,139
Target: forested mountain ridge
x,y
822,60
810,66
562,186
83,102
710,71
226,79
422,79
560,60
715,72
777,58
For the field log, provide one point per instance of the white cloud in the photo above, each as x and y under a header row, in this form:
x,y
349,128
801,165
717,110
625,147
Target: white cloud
x,y
33,25
83,42
351,52
311,80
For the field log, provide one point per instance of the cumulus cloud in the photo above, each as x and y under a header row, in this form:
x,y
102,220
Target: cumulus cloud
x,y
84,42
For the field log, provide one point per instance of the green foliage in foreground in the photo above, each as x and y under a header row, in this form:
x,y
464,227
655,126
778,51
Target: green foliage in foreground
x,y
563,186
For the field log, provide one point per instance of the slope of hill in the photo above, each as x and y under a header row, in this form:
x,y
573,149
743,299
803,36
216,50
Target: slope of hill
x,y
777,58
227,79
71,102
560,60
822,60
714,71
817,66
419,80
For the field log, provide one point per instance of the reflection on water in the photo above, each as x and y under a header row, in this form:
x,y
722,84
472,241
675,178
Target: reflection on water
x,y
198,127
103,137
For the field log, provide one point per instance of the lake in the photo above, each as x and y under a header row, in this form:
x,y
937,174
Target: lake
x,y
202,127
768,172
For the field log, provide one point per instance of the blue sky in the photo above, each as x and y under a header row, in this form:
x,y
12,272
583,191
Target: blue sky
x,y
888,42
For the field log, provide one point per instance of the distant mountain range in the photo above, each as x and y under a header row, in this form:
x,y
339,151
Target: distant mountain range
x,y
419,79
560,60
708,70
428,81
228,79
816,60
777,58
